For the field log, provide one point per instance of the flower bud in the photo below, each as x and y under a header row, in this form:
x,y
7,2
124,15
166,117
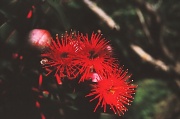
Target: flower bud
x,y
39,38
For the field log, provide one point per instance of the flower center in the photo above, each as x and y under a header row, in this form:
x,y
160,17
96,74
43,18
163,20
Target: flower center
x,y
92,54
111,90
64,55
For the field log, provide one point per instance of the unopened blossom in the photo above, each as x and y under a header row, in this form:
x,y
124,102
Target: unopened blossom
x,y
114,91
39,38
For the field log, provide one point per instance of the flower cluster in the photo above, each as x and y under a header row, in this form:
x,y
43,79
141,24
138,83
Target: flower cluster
x,y
77,55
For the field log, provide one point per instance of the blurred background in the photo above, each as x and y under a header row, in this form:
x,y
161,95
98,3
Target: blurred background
x,y
145,36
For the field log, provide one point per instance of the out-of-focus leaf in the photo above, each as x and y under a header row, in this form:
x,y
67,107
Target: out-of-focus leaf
x,y
57,7
149,93
108,116
72,95
74,4
9,8
8,34
15,9
73,108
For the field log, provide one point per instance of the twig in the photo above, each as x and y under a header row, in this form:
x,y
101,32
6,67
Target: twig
x,y
103,16
148,58
144,25
147,7
156,29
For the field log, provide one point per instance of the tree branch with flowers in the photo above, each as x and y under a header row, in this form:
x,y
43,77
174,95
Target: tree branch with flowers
x,y
78,56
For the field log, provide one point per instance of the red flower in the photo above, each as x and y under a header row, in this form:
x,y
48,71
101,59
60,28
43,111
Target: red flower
x,y
114,91
60,56
95,56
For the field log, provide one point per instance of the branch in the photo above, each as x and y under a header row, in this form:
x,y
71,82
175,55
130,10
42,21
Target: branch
x,y
102,15
144,25
148,58
166,50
